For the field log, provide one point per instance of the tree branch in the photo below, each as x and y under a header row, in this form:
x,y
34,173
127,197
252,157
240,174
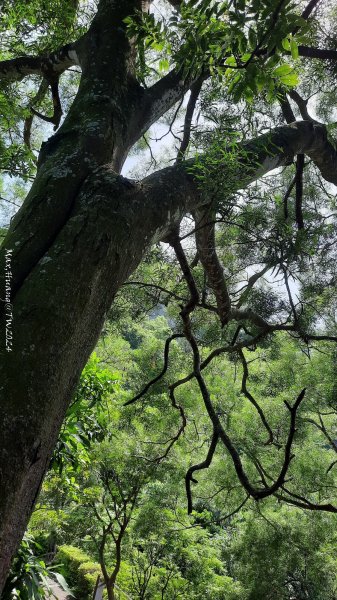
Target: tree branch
x,y
40,94
195,91
321,53
57,113
251,398
286,109
164,94
162,209
16,69
206,247
162,372
302,502
203,465
218,429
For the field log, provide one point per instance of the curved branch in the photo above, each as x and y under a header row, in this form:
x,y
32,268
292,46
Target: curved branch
x,y
163,208
195,91
16,69
162,372
181,429
164,94
302,502
251,398
302,105
203,465
57,113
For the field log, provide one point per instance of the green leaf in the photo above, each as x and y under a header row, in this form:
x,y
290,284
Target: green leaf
x,y
282,70
294,49
159,46
164,64
62,582
291,79
286,44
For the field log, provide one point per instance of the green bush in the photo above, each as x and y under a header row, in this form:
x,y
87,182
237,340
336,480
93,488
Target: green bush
x,y
79,570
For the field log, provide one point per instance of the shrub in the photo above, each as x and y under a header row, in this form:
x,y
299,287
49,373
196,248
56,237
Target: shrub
x,y
79,570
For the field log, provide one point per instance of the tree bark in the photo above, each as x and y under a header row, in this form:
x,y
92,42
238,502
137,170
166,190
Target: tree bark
x,y
81,232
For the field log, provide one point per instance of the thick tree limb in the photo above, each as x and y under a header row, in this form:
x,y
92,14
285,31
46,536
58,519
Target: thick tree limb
x,y
286,109
302,105
16,69
206,247
164,94
254,159
309,9
321,53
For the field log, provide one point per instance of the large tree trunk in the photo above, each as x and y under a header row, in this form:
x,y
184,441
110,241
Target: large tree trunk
x,y
66,226
81,232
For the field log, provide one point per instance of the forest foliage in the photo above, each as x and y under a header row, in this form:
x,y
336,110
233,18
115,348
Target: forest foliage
x,y
229,547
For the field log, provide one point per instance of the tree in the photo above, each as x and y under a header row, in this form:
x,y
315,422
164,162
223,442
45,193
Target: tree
x,y
114,507
84,228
